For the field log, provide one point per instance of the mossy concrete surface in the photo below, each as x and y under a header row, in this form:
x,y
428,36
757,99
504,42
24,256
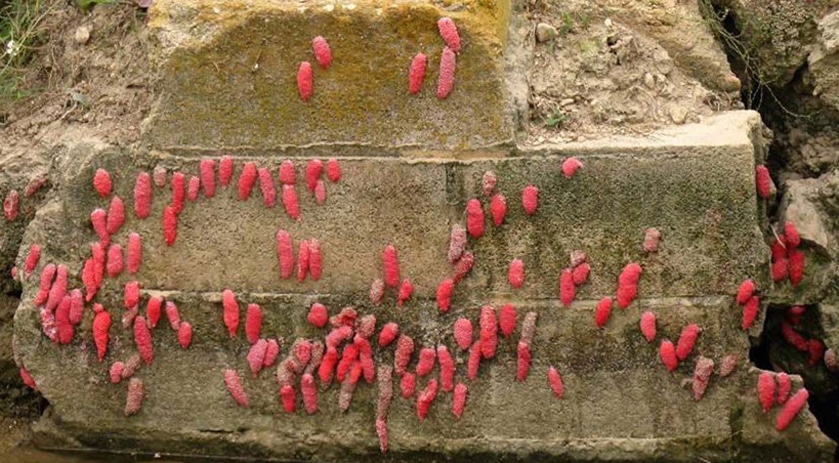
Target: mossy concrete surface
x,y
696,184
700,197
227,75
620,404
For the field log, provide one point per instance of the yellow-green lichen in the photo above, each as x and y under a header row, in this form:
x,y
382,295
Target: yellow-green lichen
x,y
237,85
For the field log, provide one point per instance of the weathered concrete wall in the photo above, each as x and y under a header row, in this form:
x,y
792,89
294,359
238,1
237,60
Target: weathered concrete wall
x,y
409,164
695,184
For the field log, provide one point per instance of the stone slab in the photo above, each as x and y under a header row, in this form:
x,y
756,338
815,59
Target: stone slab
x,y
700,197
232,66
619,400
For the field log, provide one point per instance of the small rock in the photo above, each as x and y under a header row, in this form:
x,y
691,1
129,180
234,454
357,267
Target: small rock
x,y
802,205
82,35
678,114
566,102
731,83
545,32
624,47
663,61
649,81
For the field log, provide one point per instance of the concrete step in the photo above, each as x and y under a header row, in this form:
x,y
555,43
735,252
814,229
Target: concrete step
x,y
619,399
695,184
701,197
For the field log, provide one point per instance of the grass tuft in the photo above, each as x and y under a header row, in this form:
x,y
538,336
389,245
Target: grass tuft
x,y
88,4
19,38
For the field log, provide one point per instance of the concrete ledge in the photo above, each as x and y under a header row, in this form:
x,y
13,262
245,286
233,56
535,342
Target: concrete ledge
x,y
620,401
701,197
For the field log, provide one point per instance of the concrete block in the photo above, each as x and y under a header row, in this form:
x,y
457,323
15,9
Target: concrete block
x,y
228,70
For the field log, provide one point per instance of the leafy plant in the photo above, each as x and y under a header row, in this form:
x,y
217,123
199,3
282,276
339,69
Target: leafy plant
x,y
556,119
584,20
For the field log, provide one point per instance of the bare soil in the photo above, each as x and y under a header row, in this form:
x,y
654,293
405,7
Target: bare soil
x,y
610,70
99,87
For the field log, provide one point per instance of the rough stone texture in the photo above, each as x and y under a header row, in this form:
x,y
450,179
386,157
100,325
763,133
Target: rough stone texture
x,y
8,369
811,205
824,60
19,169
710,235
680,29
720,214
545,32
619,399
775,36
232,66
756,432
620,67
225,84
829,317
694,183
